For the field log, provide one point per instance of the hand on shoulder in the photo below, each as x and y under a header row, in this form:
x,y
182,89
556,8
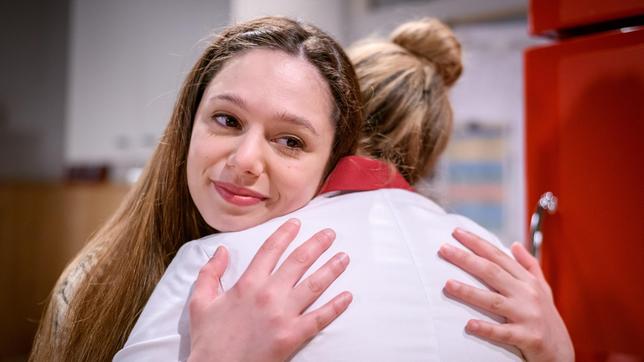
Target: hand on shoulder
x,y
262,317
519,293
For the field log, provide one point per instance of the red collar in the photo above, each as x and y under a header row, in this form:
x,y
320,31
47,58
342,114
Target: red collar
x,y
357,173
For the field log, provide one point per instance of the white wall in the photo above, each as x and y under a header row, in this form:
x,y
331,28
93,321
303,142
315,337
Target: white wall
x,y
490,91
127,61
366,20
329,15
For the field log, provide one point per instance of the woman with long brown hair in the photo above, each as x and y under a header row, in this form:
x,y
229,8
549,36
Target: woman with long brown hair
x,y
301,112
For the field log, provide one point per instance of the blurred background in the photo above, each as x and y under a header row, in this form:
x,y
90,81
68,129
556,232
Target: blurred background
x,y
86,88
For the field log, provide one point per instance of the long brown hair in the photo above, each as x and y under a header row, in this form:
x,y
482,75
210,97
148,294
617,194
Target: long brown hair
x,y
157,216
404,89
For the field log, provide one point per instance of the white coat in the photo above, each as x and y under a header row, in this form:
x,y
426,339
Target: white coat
x,y
399,311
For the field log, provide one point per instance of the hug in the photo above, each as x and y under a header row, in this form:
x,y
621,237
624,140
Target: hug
x,y
277,219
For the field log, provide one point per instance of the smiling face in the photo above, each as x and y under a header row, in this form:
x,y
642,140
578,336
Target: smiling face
x,y
261,139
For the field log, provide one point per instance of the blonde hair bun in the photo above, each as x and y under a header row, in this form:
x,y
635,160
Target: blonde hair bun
x,y
432,40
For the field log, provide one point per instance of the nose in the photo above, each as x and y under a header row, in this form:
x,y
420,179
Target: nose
x,y
247,159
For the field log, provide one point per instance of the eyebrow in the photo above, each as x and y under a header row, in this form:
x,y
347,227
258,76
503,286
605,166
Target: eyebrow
x,y
284,116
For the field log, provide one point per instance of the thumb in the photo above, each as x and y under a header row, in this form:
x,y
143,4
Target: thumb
x,y
208,284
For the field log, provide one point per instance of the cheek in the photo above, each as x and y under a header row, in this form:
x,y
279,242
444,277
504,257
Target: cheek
x,y
202,154
294,200
194,161
192,170
203,151
299,182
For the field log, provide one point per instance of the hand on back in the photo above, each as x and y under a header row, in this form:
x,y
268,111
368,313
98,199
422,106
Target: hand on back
x,y
519,293
262,317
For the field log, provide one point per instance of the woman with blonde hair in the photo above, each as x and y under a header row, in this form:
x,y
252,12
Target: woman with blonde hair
x,y
394,237
405,82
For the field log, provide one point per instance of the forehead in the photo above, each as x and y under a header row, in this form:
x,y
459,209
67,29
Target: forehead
x,y
272,80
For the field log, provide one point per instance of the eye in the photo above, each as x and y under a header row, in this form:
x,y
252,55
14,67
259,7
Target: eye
x,y
290,142
227,121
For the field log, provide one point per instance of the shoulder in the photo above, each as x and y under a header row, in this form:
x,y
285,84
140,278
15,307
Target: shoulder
x,y
69,283
393,237
162,327
189,258
416,210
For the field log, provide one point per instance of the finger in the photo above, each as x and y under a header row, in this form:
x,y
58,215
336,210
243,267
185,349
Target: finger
x,y
208,285
488,272
301,259
502,333
527,261
531,264
485,249
272,249
489,301
313,322
310,289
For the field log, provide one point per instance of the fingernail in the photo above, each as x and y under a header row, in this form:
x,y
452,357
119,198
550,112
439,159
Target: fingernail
x,y
446,249
216,251
295,222
343,258
471,326
452,285
329,233
345,298
459,232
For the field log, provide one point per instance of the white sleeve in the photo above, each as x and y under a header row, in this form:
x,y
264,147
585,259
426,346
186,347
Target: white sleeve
x,y
161,332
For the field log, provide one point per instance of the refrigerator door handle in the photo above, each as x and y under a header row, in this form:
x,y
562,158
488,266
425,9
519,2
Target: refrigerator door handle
x,y
547,204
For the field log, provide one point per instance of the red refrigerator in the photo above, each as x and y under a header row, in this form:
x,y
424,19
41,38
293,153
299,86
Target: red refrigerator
x,y
584,101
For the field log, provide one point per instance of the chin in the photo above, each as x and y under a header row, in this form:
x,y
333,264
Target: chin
x,y
234,223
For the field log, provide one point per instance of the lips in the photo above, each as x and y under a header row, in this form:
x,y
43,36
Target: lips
x,y
238,196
